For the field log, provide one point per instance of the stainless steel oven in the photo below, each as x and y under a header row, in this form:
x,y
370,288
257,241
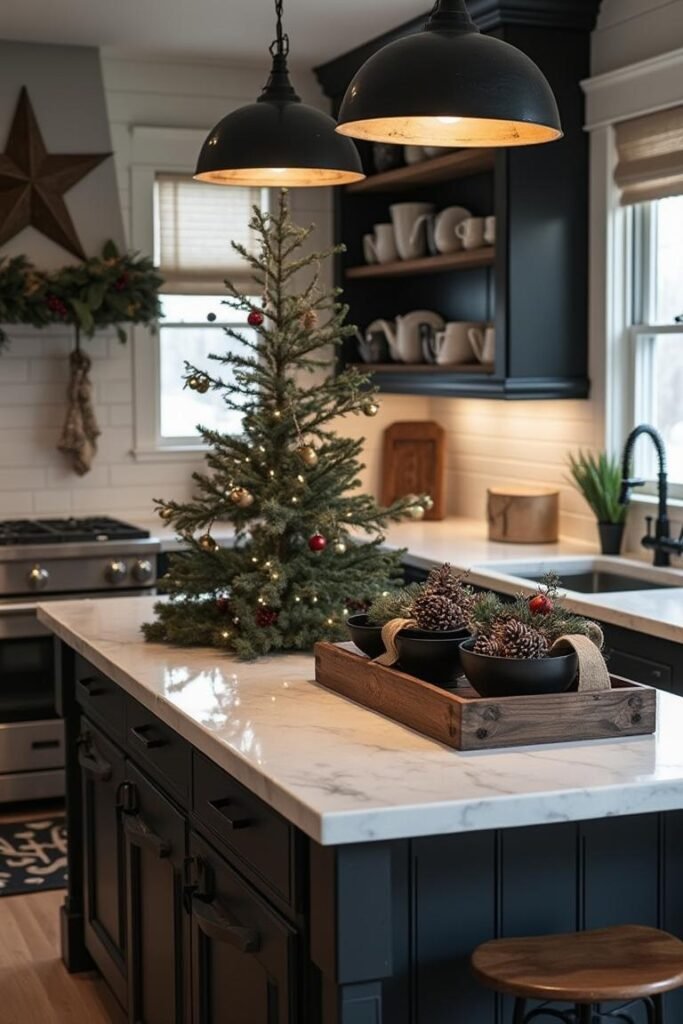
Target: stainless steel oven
x,y
31,732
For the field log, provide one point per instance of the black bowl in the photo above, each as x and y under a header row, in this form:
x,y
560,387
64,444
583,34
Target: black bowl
x,y
516,677
434,657
366,637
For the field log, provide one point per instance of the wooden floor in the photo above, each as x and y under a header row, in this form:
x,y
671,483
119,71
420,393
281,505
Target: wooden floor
x,y
35,987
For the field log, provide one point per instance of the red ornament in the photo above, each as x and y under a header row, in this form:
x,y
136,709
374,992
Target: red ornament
x,y
223,605
265,617
540,604
56,306
255,318
121,283
317,542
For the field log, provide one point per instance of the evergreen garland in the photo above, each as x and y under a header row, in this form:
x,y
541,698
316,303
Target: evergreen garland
x,y
288,482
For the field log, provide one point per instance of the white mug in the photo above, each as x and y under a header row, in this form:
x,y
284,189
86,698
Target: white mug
x,y
483,342
409,220
369,249
382,245
453,344
490,230
471,232
413,154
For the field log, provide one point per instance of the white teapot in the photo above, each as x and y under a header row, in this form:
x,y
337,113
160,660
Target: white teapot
x,y
404,337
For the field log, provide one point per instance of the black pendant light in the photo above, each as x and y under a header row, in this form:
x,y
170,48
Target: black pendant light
x,y
450,86
278,141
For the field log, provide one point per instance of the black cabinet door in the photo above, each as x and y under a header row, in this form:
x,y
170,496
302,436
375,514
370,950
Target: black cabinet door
x,y
243,953
102,773
158,924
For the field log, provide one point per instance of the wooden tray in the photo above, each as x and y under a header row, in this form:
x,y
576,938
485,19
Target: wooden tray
x,y
463,720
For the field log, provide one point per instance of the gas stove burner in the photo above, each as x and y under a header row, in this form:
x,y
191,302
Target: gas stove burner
x,y
65,531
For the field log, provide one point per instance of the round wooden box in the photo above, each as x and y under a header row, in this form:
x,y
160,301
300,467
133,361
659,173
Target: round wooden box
x,y
523,515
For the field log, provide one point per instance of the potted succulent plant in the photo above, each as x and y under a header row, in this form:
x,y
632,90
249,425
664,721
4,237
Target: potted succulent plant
x,y
599,481
423,625
513,648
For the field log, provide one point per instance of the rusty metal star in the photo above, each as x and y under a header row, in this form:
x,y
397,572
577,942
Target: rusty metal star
x,y
33,182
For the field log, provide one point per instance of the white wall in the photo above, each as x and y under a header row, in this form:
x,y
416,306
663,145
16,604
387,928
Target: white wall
x,y
630,31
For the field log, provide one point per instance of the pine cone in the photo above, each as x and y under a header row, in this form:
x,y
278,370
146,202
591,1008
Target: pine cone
x,y
436,612
487,645
517,640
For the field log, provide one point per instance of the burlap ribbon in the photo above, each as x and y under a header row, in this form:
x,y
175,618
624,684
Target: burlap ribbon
x,y
80,431
390,631
593,674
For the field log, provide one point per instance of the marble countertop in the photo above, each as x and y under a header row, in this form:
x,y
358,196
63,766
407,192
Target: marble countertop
x,y
344,774
464,543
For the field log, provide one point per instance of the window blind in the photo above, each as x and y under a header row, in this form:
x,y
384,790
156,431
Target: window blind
x,y
650,164
195,224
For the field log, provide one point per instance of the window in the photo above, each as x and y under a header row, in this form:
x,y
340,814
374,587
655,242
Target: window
x,y
657,332
194,225
649,176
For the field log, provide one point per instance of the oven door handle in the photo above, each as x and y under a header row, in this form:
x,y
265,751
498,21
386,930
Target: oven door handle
x,y
93,764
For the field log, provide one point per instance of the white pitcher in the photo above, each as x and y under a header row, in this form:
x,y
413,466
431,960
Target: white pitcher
x,y
380,247
409,220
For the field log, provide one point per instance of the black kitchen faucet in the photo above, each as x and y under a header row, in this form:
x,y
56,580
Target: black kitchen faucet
x,y
662,543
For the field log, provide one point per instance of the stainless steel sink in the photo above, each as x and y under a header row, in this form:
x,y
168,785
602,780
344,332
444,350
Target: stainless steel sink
x,y
601,581
590,575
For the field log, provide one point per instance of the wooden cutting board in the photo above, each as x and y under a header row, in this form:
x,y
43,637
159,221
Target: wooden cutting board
x,y
414,462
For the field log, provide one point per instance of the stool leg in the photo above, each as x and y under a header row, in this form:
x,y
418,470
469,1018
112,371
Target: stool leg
x,y
658,1010
519,1012
584,1013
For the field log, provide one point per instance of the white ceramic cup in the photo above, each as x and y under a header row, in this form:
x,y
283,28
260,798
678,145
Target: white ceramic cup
x,y
410,220
413,154
453,344
490,230
471,232
445,223
483,342
385,244
369,249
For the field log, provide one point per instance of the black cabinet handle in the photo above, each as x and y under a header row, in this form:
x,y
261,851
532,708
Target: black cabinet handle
x,y
220,808
90,686
91,762
218,926
148,742
139,833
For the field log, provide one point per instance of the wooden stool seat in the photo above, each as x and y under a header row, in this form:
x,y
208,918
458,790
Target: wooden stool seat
x,y
623,963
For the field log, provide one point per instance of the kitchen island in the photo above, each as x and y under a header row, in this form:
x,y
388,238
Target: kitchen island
x,y
247,847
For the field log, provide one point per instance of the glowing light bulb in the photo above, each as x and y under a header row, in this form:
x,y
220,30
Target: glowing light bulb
x,y
448,120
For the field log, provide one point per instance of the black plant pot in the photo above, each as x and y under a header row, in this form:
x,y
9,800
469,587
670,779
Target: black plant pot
x,y
433,657
516,677
611,536
366,637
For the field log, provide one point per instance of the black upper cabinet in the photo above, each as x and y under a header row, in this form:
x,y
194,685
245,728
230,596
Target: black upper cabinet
x,y
534,285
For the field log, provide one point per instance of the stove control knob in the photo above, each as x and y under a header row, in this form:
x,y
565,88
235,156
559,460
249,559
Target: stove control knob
x,y
38,577
143,571
116,571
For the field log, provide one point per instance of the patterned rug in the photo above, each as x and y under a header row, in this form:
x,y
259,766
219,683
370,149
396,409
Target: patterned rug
x,y
32,855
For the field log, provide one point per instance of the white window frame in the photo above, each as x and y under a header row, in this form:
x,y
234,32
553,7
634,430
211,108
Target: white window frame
x,y
619,95
156,151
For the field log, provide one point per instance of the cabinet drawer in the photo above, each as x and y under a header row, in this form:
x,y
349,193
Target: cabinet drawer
x,y
164,753
244,824
100,698
642,670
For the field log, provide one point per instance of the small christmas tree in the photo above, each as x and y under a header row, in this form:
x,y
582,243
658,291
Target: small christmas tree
x,y
288,482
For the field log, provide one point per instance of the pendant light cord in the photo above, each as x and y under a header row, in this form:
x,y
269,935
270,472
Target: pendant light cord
x,y
280,45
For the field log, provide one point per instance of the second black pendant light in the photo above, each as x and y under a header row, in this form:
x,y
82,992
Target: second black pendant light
x,y
278,140
450,86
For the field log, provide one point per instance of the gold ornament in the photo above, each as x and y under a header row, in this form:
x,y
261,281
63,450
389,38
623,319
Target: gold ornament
x,y
309,319
207,543
166,513
428,502
308,455
339,547
241,497
370,408
203,384
193,383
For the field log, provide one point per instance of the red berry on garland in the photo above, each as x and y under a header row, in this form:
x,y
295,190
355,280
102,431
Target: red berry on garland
x,y
265,617
121,283
223,605
317,542
540,604
255,318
